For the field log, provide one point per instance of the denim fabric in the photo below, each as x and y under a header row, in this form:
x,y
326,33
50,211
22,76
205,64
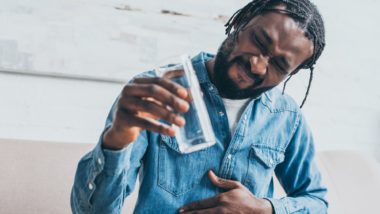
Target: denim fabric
x,y
271,138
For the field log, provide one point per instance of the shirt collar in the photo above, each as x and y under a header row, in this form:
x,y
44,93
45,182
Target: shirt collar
x,y
199,63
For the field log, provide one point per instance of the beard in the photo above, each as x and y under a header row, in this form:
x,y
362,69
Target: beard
x,y
225,85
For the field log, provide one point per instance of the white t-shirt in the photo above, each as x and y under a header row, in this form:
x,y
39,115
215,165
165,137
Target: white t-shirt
x,y
234,109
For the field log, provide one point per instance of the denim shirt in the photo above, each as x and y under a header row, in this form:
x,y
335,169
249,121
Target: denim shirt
x,y
271,138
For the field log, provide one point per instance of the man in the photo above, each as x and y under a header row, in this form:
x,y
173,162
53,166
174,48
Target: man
x,y
259,130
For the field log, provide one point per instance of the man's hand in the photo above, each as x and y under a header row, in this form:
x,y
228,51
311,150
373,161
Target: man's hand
x,y
238,199
141,104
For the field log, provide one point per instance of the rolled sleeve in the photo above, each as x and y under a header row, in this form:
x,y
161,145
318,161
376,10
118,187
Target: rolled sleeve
x,y
111,162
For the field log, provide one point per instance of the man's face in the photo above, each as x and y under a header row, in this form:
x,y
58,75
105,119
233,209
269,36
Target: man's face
x,y
267,50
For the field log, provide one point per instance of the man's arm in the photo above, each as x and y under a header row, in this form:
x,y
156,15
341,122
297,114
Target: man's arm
x,y
104,177
107,175
300,177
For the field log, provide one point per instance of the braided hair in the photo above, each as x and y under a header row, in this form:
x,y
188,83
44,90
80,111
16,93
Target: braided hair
x,y
304,13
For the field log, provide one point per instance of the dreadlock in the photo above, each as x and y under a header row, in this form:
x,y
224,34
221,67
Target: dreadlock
x,y
304,13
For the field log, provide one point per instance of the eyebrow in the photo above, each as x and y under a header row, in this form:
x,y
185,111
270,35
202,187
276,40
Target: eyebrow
x,y
269,40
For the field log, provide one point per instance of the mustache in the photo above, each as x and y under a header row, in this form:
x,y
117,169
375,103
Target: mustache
x,y
246,66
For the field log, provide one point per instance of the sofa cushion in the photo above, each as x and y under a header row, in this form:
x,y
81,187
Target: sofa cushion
x,y
36,177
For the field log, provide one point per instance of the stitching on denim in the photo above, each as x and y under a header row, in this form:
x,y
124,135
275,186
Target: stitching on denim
x,y
91,180
277,109
295,127
278,157
297,123
261,146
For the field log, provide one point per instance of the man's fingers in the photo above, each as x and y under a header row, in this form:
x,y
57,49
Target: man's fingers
x,y
199,205
133,120
223,183
151,109
166,83
157,92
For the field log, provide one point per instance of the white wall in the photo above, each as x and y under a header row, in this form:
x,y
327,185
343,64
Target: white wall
x,y
117,39
344,105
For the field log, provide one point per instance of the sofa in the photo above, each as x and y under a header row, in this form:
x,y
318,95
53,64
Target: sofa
x,y
36,177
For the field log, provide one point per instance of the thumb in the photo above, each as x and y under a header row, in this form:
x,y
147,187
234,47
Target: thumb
x,y
223,183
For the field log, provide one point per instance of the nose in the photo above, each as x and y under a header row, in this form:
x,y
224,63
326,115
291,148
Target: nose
x,y
259,64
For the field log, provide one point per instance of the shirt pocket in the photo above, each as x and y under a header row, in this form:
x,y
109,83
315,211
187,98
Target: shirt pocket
x,y
262,161
179,173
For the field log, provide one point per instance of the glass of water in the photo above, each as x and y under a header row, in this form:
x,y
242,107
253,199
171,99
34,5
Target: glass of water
x,y
197,133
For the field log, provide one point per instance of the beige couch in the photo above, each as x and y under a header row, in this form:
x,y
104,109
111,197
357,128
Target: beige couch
x,y
36,177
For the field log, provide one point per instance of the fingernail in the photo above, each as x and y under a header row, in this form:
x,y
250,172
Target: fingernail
x,y
171,132
181,210
182,93
180,121
186,106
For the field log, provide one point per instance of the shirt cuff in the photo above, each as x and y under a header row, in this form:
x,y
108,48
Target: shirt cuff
x,y
278,206
112,162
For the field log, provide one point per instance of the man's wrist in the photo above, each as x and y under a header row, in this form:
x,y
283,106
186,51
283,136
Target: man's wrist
x,y
112,141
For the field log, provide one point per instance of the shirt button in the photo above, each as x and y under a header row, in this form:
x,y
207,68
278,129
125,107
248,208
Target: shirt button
x,y
210,88
229,156
221,113
99,161
271,161
90,186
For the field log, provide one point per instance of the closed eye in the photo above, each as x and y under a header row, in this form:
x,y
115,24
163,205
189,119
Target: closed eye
x,y
278,66
260,44
273,60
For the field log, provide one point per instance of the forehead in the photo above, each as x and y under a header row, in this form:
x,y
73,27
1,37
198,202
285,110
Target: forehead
x,y
287,37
